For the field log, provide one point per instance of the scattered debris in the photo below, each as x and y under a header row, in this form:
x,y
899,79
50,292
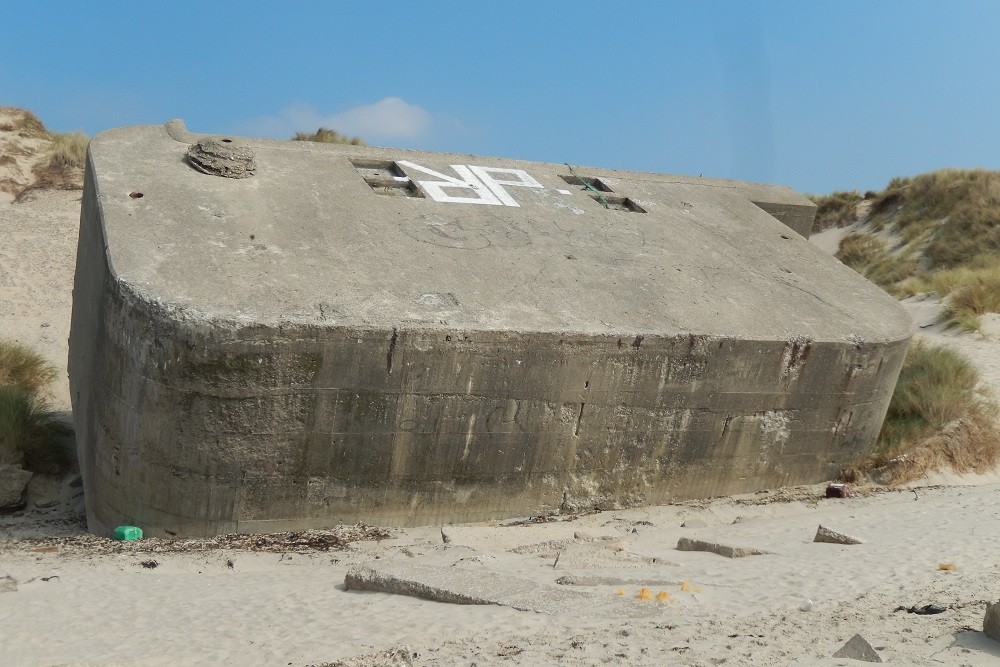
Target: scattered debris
x,y
149,564
925,610
461,586
858,648
303,542
687,544
838,491
947,567
991,621
694,523
824,534
47,579
806,605
230,564
401,656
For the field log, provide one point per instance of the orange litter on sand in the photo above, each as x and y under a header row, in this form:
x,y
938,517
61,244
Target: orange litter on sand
x,y
645,594
662,596
947,566
688,587
621,591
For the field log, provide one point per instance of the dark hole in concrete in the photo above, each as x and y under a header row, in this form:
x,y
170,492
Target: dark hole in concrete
x,y
593,182
135,195
617,203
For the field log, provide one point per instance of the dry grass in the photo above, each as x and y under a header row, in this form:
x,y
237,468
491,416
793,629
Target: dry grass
x,y
62,169
31,435
22,367
947,227
327,136
835,209
867,254
937,418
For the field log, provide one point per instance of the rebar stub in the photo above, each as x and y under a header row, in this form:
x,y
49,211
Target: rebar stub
x,y
222,157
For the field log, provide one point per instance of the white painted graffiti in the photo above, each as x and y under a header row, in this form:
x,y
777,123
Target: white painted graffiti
x,y
479,185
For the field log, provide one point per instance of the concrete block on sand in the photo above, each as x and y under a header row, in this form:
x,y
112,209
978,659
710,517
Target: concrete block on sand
x,y
356,334
858,648
8,584
463,586
991,622
13,481
687,544
824,534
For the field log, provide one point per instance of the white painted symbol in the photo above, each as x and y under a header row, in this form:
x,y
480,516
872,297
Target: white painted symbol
x,y
480,185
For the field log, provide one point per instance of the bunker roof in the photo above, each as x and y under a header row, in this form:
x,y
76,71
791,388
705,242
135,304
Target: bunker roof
x,y
251,230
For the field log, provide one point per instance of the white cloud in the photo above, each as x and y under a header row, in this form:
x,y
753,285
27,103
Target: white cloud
x,y
388,119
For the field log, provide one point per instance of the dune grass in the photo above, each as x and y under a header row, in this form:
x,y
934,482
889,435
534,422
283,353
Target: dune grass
x,y
945,227
327,136
937,418
835,209
31,434
867,254
24,368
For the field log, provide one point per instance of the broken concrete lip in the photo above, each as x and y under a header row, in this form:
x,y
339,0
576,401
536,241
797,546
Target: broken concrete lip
x,y
462,586
726,550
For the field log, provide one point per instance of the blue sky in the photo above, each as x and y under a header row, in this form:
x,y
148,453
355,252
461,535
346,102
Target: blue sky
x,y
816,95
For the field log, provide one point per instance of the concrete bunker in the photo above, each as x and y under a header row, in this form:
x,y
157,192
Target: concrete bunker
x,y
346,333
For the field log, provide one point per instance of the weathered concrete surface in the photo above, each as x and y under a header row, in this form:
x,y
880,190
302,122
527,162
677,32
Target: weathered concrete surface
x,y
296,349
461,586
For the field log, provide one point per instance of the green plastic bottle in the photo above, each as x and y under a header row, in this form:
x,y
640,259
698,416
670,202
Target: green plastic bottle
x,y
128,533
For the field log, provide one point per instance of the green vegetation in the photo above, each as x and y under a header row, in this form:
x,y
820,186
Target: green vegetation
x,y
31,435
835,209
327,136
936,418
934,232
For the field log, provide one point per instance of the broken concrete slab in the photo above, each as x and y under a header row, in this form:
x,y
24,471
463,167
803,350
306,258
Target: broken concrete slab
x,y
612,542
464,586
13,481
593,557
688,544
991,621
824,534
588,580
858,648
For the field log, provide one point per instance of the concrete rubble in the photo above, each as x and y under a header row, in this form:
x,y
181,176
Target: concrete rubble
x,y
858,648
824,534
13,481
465,586
688,544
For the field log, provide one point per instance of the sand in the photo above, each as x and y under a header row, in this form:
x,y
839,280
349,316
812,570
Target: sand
x,y
86,601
